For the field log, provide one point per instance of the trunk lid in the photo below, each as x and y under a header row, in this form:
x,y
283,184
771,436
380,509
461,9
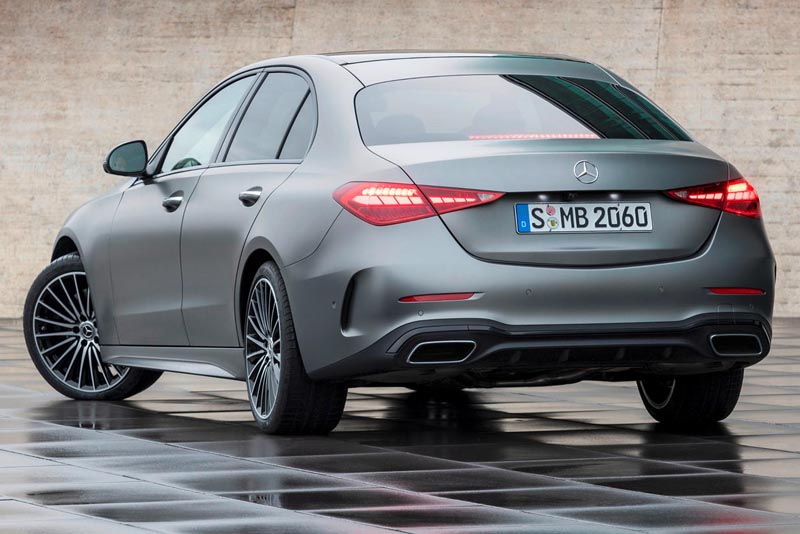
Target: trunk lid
x,y
627,171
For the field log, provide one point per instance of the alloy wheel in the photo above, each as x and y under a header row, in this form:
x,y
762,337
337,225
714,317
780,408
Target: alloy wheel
x,y
67,338
263,348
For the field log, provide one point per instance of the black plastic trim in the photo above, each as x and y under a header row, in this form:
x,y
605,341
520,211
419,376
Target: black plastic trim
x,y
640,345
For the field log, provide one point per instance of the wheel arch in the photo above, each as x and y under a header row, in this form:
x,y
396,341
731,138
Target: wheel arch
x,y
254,259
65,244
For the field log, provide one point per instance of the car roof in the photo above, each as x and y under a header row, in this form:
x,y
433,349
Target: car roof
x,y
371,67
363,56
372,56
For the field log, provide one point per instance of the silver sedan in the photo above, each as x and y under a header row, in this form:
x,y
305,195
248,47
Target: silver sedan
x,y
433,220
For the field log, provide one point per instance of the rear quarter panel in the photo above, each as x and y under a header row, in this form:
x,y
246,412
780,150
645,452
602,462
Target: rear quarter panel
x,y
297,215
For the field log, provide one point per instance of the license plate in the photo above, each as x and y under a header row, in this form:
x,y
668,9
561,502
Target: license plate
x,y
543,217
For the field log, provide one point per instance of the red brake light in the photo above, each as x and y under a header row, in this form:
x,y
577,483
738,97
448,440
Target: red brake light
x,y
382,203
446,199
737,197
438,297
742,199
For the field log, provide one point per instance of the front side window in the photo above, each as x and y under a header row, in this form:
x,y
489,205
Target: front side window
x,y
193,145
268,117
494,107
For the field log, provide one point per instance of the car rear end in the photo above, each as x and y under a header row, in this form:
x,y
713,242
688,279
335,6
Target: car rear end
x,y
551,225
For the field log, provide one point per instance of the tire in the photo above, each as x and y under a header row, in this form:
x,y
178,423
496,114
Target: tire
x,y
283,399
61,334
692,401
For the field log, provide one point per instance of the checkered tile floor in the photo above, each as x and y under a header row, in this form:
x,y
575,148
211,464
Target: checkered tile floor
x,y
585,458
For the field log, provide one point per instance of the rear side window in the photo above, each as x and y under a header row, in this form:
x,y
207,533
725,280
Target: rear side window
x,y
452,108
266,122
299,138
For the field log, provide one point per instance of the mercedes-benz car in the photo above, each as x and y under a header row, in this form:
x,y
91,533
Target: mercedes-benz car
x,y
431,220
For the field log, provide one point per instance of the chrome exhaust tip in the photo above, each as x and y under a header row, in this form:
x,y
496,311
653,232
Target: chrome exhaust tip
x,y
736,345
441,352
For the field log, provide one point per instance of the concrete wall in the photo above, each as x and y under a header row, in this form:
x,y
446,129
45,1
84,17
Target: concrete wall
x,y
79,76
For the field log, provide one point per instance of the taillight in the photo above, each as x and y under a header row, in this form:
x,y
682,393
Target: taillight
x,y
382,203
742,199
737,197
446,199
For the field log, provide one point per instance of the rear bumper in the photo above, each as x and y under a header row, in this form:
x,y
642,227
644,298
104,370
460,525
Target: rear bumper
x,y
487,353
345,297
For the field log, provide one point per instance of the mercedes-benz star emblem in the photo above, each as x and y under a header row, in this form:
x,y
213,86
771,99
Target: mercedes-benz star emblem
x,y
586,171
87,330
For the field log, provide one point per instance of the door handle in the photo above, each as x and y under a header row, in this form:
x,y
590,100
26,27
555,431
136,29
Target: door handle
x,y
172,202
251,196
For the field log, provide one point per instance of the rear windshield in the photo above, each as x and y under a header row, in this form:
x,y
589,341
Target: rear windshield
x,y
453,108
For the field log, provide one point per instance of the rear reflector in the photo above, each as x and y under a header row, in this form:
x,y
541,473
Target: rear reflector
x,y
437,297
382,203
737,197
736,291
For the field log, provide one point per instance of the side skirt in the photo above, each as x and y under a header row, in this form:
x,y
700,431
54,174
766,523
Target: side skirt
x,y
221,362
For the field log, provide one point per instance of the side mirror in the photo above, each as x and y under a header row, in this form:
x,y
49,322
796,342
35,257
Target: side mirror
x,y
127,159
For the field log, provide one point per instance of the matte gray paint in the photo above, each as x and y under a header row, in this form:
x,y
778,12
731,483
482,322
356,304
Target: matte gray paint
x,y
400,264
88,228
320,247
214,228
145,261
630,170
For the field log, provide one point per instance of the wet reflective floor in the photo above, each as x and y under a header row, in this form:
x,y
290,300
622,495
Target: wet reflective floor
x,y
184,457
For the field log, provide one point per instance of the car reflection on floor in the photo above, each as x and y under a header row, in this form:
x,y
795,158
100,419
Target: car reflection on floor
x,y
185,457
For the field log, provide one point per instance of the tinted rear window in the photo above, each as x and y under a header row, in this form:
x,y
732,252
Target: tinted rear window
x,y
268,118
452,108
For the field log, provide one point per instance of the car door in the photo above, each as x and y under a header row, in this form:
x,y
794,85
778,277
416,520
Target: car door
x,y
144,253
264,149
